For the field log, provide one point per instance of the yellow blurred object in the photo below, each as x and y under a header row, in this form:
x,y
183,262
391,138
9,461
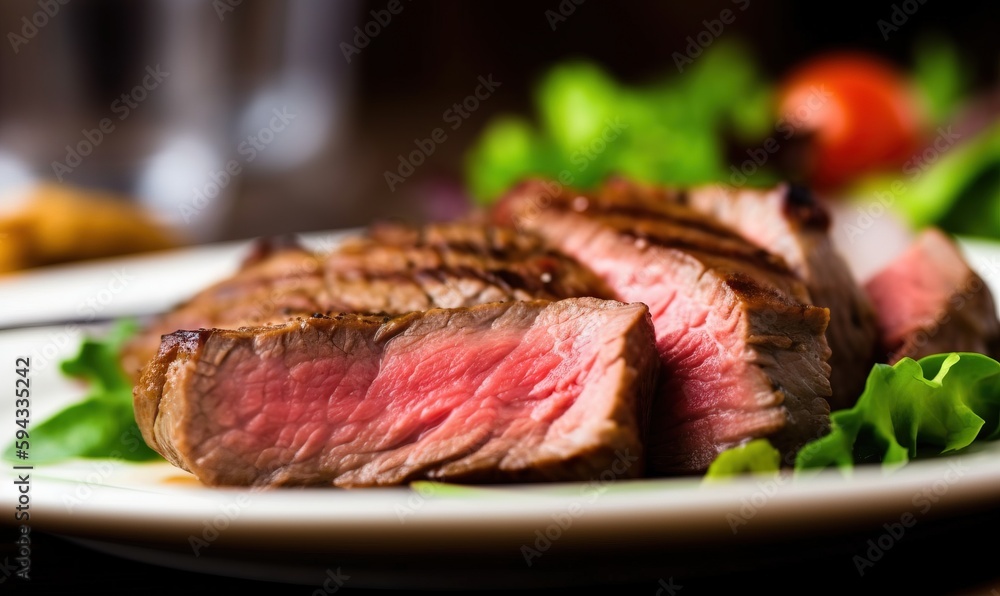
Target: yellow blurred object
x,y
51,224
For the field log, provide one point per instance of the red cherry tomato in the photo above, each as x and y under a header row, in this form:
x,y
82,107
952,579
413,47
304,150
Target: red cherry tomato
x,y
863,114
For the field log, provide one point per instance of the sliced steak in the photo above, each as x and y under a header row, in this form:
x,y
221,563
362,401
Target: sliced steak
x,y
744,355
276,283
398,269
788,222
514,391
394,270
929,301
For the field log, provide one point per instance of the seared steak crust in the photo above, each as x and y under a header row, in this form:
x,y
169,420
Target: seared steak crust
x,y
513,391
744,353
929,301
394,270
790,223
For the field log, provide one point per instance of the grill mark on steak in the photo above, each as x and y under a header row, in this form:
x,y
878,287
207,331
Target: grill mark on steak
x,y
652,216
630,201
751,289
743,352
395,270
644,213
789,221
515,391
760,259
506,279
524,264
509,282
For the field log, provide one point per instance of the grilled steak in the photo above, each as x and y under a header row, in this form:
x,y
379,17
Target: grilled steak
x,y
513,391
788,222
394,270
397,269
929,301
744,355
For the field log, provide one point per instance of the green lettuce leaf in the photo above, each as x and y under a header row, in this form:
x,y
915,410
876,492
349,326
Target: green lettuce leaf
x,y
937,405
942,74
913,409
508,150
103,423
590,126
949,191
757,456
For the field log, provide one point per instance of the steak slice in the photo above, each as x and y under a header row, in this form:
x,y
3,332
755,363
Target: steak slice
x,y
398,269
743,353
277,282
789,222
513,391
929,301
394,270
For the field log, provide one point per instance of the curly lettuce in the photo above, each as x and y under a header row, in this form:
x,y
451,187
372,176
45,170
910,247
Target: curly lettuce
x,y
939,404
913,409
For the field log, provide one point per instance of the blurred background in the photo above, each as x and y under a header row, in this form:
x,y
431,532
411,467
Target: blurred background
x,y
128,126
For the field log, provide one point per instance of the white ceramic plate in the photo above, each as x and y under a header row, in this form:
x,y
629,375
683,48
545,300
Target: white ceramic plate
x,y
490,537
